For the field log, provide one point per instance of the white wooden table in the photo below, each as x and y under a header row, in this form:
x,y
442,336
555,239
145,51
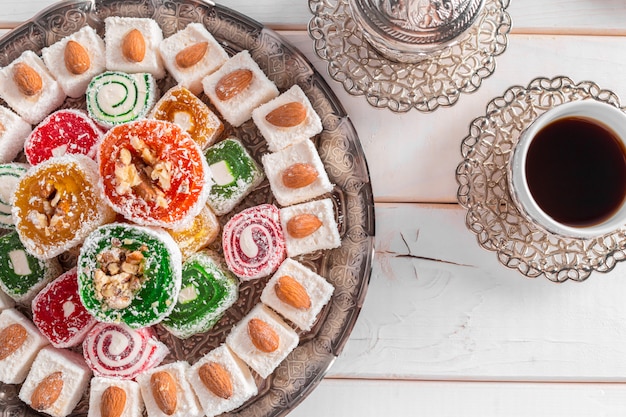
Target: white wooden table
x,y
446,330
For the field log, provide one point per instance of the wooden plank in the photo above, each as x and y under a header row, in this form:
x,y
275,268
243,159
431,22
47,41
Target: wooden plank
x,y
536,16
360,398
439,307
425,170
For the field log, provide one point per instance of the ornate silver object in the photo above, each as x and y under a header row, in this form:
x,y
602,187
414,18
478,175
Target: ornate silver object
x,y
484,190
348,268
438,80
412,30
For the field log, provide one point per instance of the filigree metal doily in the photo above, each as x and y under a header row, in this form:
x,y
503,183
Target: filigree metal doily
x,y
484,191
437,81
348,267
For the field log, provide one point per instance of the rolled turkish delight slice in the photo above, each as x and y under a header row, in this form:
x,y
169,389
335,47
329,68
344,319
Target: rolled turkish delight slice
x,y
58,203
182,107
287,119
59,314
238,87
153,173
115,97
56,382
190,54
297,293
129,274
253,242
166,391
10,175
114,350
122,395
309,227
207,291
29,88
75,60
21,341
65,131
199,233
132,45
234,172
22,275
296,174
13,132
237,385
262,340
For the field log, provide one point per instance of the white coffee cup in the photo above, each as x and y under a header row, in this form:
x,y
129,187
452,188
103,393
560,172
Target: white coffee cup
x,y
597,113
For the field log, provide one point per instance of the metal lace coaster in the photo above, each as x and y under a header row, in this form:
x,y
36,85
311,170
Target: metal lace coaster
x,y
438,80
491,212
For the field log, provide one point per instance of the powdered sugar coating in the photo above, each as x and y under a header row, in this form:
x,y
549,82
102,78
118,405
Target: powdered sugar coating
x,y
114,350
64,131
75,180
15,367
253,242
189,180
58,313
156,297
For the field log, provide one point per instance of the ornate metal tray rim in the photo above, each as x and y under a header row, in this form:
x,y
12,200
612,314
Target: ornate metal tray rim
x,y
492,215
280,392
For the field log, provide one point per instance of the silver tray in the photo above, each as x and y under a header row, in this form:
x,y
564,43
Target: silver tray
x,y
348,267
437,81
483,188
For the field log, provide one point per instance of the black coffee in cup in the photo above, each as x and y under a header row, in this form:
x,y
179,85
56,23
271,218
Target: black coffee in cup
x,y
576,171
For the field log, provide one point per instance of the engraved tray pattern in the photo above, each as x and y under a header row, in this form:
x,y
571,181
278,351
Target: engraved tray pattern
x,y
427,85
484,191
348,268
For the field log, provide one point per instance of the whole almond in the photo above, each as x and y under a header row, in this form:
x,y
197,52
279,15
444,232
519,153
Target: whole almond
x,y
262,335
134,46
77,59
164,391
47,392
233,83
287,115
217,379
11,338
28,80
302,225
290,291
191,55
112,402
299,175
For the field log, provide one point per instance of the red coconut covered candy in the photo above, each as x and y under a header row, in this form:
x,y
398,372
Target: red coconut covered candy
x,y
153,173
59,314
64,131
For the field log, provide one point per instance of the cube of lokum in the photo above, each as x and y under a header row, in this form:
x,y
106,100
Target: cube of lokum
x,y
109,389
26,342
315,290
191,54
56,368
174,377
29,88
235,174
132,45
296,173
13,132
287,119
223,362
75,60
300,239
238,87
246,340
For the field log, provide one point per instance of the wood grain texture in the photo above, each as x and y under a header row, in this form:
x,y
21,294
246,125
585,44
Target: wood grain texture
x,y
536,16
